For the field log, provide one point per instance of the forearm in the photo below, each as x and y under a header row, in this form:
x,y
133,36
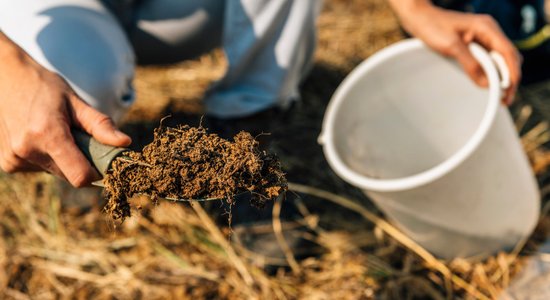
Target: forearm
x,y
401,6
13,59
11,54
8,58
408,10
6,46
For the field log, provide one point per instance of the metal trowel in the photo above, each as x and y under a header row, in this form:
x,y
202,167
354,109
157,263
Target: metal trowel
x,y
101,156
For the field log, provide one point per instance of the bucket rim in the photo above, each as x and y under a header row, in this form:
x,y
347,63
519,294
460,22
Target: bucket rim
x,y
434,173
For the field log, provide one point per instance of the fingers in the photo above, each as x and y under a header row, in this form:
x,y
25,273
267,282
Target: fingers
x,y
485,30
510,94
98,125
471,66
69,160
513,62
47,146
10,163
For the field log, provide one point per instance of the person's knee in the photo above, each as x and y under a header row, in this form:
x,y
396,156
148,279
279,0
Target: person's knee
x,y
81,42
92,53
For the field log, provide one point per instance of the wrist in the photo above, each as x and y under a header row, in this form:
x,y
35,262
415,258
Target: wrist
x,y
5,43
7,48
11,55
410,7
413,14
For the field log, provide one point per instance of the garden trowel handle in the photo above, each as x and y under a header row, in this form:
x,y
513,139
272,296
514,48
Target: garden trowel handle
x,y
100,155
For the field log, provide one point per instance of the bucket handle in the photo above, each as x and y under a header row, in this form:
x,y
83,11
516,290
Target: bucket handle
x,y
502,69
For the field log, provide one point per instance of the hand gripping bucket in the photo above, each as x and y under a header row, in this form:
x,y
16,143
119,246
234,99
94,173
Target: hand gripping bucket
x,y
436,153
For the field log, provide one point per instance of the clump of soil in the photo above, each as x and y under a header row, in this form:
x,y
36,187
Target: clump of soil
x,y
189,163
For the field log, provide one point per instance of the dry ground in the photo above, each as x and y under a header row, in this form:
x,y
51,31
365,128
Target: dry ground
x,y
57,244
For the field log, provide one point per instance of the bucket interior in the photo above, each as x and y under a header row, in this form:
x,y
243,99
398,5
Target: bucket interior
x,y
407,115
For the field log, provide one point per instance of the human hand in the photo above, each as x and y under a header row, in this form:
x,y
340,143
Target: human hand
x,y
449,33
37,110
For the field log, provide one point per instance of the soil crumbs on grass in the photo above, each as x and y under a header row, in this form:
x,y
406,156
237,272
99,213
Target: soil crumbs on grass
x,y
189,163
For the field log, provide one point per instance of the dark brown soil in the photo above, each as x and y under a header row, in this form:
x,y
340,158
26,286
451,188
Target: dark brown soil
x,y
189,163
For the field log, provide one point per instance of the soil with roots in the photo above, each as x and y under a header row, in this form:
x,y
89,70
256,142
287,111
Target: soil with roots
x,y
189,163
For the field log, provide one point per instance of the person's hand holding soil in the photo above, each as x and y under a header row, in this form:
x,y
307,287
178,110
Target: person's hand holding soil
x,y
37,110
450,32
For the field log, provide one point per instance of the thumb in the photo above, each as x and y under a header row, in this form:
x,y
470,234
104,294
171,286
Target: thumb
x,y
97,124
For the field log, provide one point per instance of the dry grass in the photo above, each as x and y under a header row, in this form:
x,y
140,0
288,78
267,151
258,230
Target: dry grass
x,y
57,244
51,250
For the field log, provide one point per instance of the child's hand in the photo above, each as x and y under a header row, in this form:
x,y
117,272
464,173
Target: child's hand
x,y
450,32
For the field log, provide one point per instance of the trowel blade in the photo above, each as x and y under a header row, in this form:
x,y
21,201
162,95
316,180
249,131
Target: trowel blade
x,y
100,183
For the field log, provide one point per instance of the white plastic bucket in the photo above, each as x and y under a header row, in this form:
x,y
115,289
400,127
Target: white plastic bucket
x,y
438,155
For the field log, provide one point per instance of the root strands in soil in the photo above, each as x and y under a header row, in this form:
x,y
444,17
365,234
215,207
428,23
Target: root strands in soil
x,y
189,163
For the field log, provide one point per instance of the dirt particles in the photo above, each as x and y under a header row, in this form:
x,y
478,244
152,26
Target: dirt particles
x,y
189,163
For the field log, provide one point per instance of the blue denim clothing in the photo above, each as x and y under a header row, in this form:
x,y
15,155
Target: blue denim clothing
x,y
94,44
